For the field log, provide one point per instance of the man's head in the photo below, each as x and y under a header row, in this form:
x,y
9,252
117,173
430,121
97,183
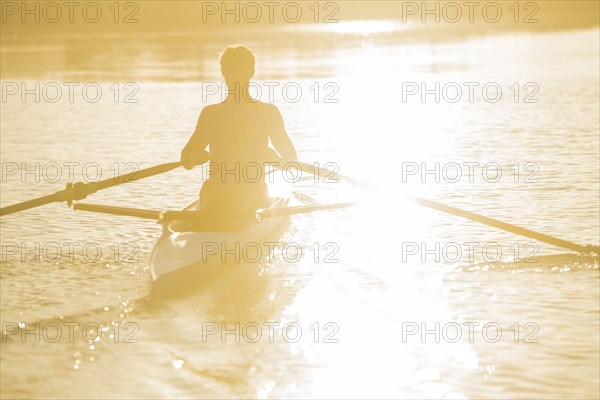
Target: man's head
x,y
237,65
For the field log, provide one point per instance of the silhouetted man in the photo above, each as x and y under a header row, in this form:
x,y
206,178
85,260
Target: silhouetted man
x,y
237,133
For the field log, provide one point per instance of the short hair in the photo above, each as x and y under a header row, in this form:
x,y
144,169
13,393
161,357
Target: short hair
x,y
237,57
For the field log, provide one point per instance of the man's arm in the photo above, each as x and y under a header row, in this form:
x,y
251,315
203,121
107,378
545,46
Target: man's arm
x,y
280,139
194,152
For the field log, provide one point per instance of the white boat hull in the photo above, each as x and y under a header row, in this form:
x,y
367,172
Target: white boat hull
x,y
180,259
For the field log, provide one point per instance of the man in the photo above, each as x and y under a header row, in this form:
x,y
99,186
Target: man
x,y
237,132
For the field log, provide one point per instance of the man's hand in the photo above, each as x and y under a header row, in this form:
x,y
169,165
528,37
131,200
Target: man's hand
x,y
271,157
187,164
189,161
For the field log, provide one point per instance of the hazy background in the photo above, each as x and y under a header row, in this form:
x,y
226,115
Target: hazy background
x,y
187,34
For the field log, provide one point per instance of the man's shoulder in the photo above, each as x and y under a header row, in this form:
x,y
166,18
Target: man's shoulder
x,y
208,110
258,106
211,107
268,107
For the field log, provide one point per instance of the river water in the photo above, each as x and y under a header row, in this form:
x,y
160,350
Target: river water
x,y
372,308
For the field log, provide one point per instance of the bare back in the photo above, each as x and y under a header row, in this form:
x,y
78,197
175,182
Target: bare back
x,y
239,132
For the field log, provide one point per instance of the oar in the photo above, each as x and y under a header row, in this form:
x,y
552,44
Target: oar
x,y
279,212
166,216
113,210
313,169
79,190
505,226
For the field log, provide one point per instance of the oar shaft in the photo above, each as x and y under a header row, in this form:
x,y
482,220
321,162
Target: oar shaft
x,y
278,212
40,201
501,225
166,216
79,190
82,190
136,175
124,211
315,170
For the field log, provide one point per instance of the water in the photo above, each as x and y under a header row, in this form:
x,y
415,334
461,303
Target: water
x,y
357,314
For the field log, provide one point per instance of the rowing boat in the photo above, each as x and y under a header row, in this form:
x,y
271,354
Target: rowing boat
x,y
184,256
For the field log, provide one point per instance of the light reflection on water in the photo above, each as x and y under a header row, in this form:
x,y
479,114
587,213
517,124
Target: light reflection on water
x,y
370,293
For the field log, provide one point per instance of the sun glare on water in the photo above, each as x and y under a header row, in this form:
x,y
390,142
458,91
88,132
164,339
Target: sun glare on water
x,y
364,27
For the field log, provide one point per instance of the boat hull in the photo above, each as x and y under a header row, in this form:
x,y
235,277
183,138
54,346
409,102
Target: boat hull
x,y
182,259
